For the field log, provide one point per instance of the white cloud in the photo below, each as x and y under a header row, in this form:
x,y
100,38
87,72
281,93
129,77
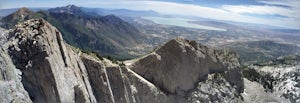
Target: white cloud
x,y
263,10
289,3
289,9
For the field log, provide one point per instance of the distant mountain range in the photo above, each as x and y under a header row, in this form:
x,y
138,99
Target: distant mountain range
x,y
98,11
108,35
121,12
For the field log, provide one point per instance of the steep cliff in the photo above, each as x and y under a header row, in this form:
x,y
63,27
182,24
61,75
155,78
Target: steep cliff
x,y
51,70
38,66
118,84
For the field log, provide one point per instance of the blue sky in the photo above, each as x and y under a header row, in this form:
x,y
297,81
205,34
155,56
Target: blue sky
x,y
283,13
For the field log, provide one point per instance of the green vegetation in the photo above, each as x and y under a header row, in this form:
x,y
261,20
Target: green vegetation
x,y
89,52
285,60
262,51
122,64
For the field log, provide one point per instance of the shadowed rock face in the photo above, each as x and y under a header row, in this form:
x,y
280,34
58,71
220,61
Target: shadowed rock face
x,y
11,88
41,67
115,84
98,78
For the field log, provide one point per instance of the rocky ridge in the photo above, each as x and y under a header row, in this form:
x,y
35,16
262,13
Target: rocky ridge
x,y
280,77
38,66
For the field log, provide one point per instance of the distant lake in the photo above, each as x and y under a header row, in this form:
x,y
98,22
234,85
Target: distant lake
x,y
181,22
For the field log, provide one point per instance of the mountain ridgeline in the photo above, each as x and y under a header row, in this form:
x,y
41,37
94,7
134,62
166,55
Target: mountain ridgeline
x,y
63,55
38,66
108,35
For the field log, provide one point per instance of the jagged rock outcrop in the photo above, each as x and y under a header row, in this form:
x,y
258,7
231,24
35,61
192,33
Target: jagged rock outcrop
x,y
178,66
51,71
38,66
11,88
215,89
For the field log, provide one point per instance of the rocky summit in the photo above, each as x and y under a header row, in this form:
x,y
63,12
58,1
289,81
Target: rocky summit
x,y
181,68
38,66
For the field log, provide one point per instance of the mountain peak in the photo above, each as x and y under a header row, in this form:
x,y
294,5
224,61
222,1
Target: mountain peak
x,y
171,66
70,9
21,14
23,10
72,6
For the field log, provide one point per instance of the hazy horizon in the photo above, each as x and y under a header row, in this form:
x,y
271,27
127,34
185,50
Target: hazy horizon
x,y
282,13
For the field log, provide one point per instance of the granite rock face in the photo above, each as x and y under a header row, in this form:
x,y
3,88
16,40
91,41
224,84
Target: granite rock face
x,y
112,83
38,66
98,79
51,71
